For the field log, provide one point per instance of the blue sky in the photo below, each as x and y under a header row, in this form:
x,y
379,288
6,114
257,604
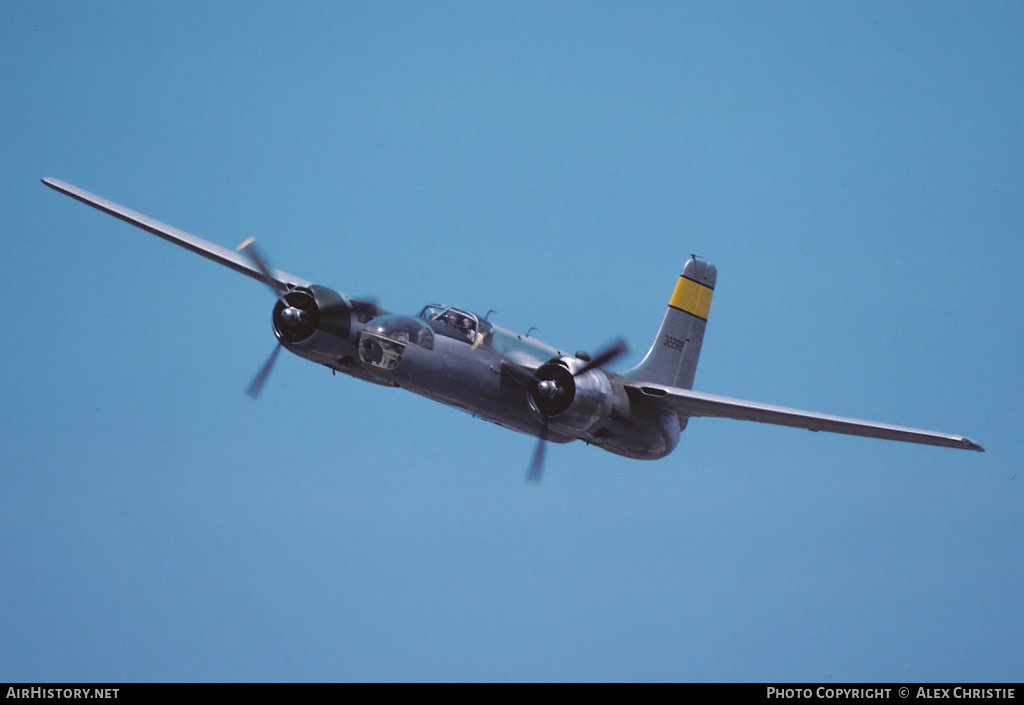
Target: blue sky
x,y
853,169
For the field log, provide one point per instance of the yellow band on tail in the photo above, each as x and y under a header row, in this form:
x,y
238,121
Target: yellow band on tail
x,y
692,298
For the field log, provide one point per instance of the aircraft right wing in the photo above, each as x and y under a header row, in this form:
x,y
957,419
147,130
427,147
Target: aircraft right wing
x,y
686,403
221,255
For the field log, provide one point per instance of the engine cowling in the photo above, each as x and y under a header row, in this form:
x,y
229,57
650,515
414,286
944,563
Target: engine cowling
x,y
573,404
320,324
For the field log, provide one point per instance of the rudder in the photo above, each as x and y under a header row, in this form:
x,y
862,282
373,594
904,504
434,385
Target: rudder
x,y
672,359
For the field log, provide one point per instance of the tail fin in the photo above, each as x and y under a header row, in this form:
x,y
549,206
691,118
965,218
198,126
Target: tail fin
x,y
672,359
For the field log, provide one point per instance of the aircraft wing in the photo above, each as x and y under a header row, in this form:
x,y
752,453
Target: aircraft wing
x,y
221,255
686,403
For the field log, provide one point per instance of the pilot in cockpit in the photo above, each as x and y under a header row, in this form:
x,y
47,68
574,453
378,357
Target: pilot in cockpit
x,y
463,324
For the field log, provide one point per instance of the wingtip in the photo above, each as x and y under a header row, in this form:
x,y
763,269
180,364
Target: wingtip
x,y
57,185
971,445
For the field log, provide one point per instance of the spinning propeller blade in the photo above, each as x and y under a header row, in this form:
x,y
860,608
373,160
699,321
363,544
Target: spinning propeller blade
x,y
605,356
249,249
257,382
538,455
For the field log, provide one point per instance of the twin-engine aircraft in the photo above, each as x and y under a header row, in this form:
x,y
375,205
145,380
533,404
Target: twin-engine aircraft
x,y
454,356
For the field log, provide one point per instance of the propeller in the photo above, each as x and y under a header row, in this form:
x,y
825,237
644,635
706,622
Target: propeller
x,y
289,313
551,395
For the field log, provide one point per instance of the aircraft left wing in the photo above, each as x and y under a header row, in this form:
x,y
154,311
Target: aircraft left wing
x,y
686,403
221,255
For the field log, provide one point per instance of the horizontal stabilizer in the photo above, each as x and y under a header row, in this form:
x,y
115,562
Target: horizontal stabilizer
x,y
221,255
686,403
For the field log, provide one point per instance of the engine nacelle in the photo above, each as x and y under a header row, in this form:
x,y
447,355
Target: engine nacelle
x,y
572,404
322,325
595,407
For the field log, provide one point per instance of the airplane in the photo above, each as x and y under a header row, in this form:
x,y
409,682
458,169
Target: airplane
x,y
458,358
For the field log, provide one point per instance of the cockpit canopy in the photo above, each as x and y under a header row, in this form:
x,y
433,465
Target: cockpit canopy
x,y
463,323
